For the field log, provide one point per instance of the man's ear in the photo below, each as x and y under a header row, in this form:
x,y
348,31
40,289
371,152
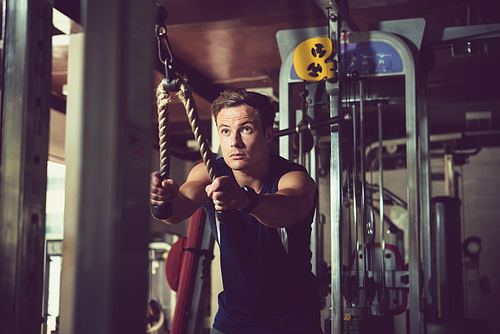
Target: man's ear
x,y
269,134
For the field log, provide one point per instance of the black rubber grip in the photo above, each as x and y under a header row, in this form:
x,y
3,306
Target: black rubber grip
x,y
227,216
162,211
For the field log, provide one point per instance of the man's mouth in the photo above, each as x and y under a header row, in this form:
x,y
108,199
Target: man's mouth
x,y
237,155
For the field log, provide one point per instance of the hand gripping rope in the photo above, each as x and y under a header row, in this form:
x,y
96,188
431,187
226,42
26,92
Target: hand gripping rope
x,y
185,95
167,85
163,211
163,99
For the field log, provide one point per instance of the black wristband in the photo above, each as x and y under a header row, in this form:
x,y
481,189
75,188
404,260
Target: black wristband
x,y
254,199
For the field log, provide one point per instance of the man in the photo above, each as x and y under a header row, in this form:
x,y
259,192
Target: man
x,y
265,256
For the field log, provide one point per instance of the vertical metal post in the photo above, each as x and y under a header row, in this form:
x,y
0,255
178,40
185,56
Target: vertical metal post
x,y
286,117
310,164
335,216
355,183
428,253
381,202
362,156
413,194
24,149
113,214
358,227
333,90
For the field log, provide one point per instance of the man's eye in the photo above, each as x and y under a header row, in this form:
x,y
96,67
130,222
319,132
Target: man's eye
x,y
224,131
247,129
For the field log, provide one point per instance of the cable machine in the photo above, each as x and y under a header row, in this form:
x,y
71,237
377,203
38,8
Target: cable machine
x,y
367,272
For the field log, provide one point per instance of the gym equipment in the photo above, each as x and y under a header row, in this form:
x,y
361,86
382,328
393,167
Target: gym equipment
x,y
181,84
168,85
26,52
196,253
370,267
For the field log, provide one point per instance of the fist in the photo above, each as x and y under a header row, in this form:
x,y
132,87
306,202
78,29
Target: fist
x,y
226,194
162,191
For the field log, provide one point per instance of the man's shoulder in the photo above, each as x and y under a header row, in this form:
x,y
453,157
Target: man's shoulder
x,y
279,163
198,174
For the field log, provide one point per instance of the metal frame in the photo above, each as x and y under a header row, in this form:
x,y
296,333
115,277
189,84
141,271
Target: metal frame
x,y
111,240
414,157
287,41
24,151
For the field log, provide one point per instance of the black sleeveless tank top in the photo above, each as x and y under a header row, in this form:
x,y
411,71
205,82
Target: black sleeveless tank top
x,y
268,283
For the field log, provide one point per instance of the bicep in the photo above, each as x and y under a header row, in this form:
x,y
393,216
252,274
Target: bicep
x,y
300,188
192,192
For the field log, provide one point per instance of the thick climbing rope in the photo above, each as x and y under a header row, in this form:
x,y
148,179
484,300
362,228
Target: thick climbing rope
x,y
186,97
163,99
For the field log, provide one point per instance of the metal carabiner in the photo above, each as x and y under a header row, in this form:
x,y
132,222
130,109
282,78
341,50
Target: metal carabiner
x,y
169,81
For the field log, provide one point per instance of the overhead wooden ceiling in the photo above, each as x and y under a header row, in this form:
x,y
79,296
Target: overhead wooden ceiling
x,y
232,43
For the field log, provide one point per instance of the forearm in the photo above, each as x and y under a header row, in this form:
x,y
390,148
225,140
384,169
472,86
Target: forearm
x,y
189,197
277,210
181,211
185,205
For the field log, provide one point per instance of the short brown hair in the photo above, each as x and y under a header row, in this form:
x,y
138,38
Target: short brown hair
x,y
263,105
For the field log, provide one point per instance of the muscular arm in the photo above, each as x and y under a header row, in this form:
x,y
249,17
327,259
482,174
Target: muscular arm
x,y
186,199
292,202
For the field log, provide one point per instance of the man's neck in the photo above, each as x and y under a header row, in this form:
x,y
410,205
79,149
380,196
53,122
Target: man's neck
x,y
253,178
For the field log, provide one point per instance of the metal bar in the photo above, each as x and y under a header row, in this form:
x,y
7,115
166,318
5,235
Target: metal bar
x,y
286,118
428,254
362,201
310,164
110,291
413,183
444,36
381,202
24,151
335,213
362,156
301,156
337,7
334,92
360,247
45,301
313,125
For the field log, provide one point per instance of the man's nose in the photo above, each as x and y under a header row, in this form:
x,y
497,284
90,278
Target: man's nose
x,y
236,140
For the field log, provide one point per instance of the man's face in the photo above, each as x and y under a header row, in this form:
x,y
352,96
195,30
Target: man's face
x,y
244,143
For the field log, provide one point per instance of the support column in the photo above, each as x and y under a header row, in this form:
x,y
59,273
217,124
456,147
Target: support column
x,y
24,149
111,264
73,161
